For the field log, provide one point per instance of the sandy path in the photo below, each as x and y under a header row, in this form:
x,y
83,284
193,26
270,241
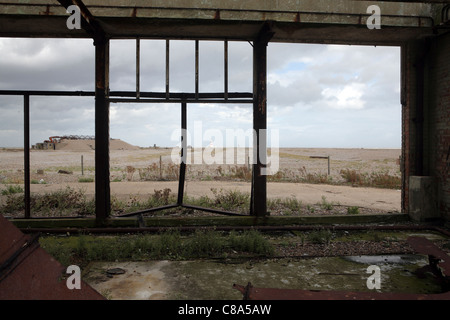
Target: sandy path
x,y
381,199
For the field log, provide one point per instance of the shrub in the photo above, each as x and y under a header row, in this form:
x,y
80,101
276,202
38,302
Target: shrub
x,y
320,237
353,177
353,210
251,241
231,199
67,200
12,189
385,180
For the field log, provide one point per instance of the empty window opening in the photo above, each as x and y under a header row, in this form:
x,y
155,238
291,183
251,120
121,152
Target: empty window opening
x,y
338,112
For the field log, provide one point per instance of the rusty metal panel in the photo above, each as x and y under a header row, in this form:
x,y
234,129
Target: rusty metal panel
x,y
28,272
251,293
425,246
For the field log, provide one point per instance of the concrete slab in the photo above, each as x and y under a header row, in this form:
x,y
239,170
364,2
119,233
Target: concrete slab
x,y
213,279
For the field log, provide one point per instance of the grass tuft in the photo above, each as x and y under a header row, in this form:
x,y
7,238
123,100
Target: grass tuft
x,y
169,244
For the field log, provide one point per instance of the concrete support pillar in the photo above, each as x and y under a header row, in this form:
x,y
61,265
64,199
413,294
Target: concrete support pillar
x,y
422,198
102,185
425,128
258,206
413,64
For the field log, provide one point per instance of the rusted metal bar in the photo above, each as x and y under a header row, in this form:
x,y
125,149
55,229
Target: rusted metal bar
x,y
177,96
218,211
225,58
185,100
138,67
167,68
150,210
46,93
170,206
174,96
26,151
183,154
259,180
197,63
102,184
261,228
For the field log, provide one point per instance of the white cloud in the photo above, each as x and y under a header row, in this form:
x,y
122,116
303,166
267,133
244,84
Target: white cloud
x,y
318,95
347,97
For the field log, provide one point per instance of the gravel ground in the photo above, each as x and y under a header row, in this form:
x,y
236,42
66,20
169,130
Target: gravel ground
x,y
353,243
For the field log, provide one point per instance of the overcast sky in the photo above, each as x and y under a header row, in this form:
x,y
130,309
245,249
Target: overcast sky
x,y
318,95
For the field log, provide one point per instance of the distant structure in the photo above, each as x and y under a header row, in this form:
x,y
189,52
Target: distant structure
x,y
52,142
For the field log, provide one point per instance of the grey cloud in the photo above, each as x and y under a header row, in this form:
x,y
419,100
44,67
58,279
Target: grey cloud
x,y
296,107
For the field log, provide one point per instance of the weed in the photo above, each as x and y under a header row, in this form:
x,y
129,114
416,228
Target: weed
x,y
241,172
353,210
166,245
353,177
161,198
130,172
325,204
12,190
251,241
273,204
320,237
117,179
375,179
117,205
232,200
292,204
85,179
67,200
205,243
385,180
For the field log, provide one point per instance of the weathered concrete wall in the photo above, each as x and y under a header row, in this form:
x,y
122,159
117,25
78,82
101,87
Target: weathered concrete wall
x,y
437,120
422,198
340,21
426,119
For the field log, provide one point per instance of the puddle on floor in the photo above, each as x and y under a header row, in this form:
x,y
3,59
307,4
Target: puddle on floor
x,y
213,279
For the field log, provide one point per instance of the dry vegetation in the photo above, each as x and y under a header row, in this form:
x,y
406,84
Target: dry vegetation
x,y
354,167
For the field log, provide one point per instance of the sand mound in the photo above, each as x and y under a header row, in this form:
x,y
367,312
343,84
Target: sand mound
x,y
86,145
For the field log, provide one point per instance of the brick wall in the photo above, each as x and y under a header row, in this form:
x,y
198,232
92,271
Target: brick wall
x,y
408,97
433,133
437,120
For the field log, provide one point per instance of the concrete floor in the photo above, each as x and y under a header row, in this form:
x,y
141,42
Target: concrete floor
x,y
213,279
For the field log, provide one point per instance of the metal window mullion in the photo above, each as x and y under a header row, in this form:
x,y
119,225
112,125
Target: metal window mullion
x,y
26,150
167,68
138,67
183,153
196,69
225,69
